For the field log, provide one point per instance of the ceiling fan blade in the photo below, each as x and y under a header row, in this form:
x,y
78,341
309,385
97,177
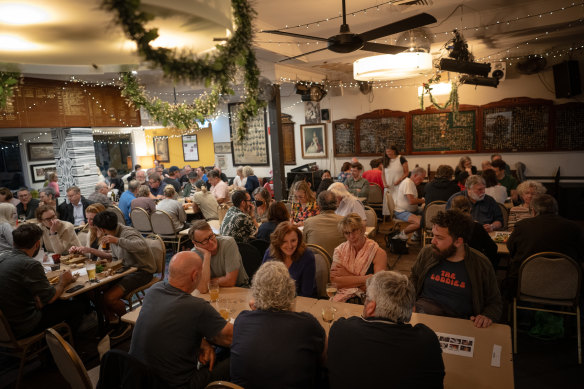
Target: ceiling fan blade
x,y
291,34
302,55
402,25
384,49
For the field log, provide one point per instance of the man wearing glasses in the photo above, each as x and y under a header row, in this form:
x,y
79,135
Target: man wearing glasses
x,y
239,221
58,236
221,258
28,205
74,211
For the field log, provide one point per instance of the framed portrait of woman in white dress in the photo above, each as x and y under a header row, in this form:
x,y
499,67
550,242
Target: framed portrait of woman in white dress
x,y
313,138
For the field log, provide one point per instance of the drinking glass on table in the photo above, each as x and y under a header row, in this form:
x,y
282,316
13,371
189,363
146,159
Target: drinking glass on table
x,y
225,309
328,315
214,290
331,291
91,274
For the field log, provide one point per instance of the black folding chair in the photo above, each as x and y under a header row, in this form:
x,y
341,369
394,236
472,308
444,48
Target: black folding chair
x,y
251,257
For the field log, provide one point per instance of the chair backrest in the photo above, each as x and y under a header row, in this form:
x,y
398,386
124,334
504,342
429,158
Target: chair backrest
x,y
250,257
319,249
158,250
371,216
261,245
288,205
322,274
550,275
141,220
375,194
67,360
162,224
221,211
7,338
432,210
119,214
505,213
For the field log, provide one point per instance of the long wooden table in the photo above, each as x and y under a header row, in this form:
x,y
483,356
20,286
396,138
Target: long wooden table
x,y
461,371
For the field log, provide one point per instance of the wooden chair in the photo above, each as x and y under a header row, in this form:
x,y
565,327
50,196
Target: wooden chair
x,y
251,258
163,227
141,220
375,197
505,213
429,212
115,209
222,385
158,250
323,269
26,348
69,363
371,219
549,279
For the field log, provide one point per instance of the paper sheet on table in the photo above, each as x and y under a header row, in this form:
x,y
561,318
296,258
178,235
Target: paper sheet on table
x,y
81,272
456,344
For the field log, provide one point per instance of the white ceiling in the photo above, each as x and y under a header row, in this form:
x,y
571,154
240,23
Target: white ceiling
x,y
83,35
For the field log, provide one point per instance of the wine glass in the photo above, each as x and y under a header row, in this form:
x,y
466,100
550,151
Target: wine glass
x,y
328,315
331,291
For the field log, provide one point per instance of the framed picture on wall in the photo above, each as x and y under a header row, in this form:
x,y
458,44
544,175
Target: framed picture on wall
x,y
161,153
37,172
190,148
222,147
253,149
313,138
40,151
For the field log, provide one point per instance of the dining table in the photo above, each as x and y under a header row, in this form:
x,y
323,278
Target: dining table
x,y
489,365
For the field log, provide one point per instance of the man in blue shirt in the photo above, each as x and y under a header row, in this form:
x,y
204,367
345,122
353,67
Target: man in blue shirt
x,y
485,209
126,199
156,187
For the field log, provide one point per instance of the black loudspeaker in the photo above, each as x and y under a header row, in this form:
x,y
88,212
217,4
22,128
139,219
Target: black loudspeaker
x,y
567,79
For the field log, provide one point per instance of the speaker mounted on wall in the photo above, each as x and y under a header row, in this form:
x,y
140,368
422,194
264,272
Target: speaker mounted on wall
x,y
567,79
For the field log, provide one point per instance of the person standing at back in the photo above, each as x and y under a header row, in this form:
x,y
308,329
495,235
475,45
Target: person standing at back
x,y
395,170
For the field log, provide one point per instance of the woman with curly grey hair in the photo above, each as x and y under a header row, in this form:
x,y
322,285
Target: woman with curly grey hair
x,y
526,191
270,339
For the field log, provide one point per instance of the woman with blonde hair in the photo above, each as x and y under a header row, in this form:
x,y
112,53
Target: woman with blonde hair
x,y
346,202
355,260
92,242
7,223
173,208
464,169
526,191
287,246
304,205
205,202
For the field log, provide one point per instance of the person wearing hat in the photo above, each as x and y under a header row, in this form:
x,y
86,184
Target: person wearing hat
x,y
189,188
172,178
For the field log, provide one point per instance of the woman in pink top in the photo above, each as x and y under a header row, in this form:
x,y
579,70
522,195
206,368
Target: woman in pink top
x,y
53,178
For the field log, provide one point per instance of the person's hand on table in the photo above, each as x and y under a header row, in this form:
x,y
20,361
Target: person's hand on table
x,y
481,321
79,250
488,227
66,278
207,354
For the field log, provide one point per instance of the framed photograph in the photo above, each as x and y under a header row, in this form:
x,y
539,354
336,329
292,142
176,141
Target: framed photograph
x,y
253,150
312,112
37,172
190,148
161,153
222,147
40,151
222,161
313,138
325,114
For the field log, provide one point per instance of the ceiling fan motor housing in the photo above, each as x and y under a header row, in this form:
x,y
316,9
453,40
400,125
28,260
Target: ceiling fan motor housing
x,y
345,43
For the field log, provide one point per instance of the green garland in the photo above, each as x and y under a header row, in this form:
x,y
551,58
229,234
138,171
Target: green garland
x,y
452,100
217,71
8,82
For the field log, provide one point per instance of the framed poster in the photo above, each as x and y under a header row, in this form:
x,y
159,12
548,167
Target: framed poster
x,y
40,151
344,138
161,153
312,112
253,150
313,140
190,148
222,147
37,172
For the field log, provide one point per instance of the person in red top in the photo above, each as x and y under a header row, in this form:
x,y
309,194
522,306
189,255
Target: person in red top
x,y
374,175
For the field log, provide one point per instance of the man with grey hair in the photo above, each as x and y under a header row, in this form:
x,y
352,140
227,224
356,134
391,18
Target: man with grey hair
x,y
546,231
274,346
381,342
100,194
322,229
407,202
484,208
174,329
27,206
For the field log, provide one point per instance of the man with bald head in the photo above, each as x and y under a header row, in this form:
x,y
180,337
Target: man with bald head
x,y
175,329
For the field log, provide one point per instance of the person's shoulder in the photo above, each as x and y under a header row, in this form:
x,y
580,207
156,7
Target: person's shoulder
x,y
477,257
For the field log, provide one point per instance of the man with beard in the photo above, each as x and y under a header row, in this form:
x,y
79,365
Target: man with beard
x,y
485,209
452,279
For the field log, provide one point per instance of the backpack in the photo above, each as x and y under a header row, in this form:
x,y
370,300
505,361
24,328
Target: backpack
x,y
394,243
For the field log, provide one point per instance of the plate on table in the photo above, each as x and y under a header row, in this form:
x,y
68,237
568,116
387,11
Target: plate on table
x,y
501,237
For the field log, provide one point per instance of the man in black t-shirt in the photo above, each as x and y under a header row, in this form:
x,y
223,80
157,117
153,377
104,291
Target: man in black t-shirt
x,y
380,349
452,279
175,329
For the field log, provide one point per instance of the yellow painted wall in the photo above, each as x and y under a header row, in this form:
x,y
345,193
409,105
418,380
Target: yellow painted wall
x,y
175,147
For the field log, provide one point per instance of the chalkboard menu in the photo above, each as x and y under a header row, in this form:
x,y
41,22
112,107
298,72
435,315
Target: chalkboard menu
x,y
344,138
443,131
517,124
378,129
569,126
50,103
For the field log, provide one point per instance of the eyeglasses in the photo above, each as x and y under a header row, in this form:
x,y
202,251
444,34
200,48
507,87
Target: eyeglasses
x,y
206,240
48,219
350,232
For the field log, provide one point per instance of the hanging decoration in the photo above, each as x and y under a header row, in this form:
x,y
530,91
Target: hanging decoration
x,y
217,71
452,100
8,82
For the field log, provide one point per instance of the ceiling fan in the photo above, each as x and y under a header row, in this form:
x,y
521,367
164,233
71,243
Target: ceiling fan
x,y
347,42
